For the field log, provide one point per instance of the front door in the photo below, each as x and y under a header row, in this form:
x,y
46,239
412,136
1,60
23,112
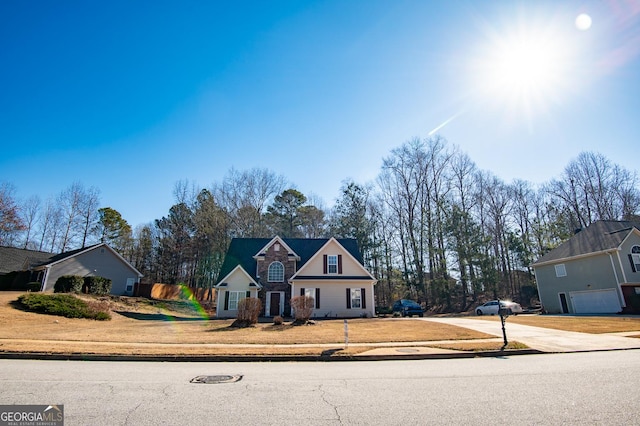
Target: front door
x,y
563,303
131,282
274,304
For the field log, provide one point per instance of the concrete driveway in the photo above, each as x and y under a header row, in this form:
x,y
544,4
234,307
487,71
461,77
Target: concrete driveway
x,y
545,339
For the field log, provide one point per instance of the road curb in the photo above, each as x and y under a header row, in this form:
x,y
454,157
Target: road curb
x,y
249,358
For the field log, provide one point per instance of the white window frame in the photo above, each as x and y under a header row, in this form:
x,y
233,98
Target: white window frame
x,y
635,257
561,270
310,292
356,298
271,276
332,268
234,298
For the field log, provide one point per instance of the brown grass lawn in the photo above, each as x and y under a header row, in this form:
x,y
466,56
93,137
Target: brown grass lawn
x,y
138,327
582,324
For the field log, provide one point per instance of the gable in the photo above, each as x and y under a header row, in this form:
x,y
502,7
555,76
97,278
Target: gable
x,y
278,245
238,278
90,251
349,265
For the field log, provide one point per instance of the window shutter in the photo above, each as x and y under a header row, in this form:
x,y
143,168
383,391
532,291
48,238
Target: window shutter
x,y
633,265
248,293
339,263
226,300
364,298
301,291
348,298
324,264
317,298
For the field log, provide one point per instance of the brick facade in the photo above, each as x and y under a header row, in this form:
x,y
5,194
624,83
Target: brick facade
x,y
289,264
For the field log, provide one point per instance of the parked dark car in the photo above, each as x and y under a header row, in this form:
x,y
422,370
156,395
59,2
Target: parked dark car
x,y
408,308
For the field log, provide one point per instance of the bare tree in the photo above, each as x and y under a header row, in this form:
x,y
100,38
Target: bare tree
x,y
70,202
591,189
245,196
10,220
89,216
30,211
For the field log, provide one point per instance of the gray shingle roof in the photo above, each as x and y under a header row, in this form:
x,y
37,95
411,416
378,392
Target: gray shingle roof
x,y
597,237
15,259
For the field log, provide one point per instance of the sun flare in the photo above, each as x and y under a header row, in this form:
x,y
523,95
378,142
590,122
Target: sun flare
x,y
521,70
523,65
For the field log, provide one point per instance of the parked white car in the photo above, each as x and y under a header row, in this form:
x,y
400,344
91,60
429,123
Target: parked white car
x,y
491,308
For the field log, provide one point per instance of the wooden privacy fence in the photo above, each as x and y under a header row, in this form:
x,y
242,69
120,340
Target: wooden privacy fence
x,y
173,292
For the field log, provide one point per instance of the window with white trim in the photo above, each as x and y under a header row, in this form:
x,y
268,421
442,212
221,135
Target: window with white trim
x,y
276,272
310,292
356,298
332,264
635,258
561,271
234,298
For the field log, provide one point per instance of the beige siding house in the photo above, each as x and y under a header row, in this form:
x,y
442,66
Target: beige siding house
x,y
98,260
596,271
330,270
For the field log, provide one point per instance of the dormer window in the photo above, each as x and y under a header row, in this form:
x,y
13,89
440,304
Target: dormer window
x,y
276,272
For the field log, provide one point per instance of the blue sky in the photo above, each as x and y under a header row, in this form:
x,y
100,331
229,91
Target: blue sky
x,y
131,97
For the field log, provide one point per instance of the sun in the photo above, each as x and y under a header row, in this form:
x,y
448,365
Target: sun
x,y
522,69
523,65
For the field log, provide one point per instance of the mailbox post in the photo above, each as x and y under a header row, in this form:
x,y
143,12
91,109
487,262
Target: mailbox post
x,y
504,313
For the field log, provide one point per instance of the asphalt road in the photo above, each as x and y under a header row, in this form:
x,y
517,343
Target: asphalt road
x,y
575,388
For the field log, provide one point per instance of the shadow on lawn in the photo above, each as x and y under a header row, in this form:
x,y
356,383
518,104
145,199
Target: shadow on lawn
x,y
157,317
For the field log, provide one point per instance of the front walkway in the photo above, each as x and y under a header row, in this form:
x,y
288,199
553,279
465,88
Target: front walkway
x,y
545,339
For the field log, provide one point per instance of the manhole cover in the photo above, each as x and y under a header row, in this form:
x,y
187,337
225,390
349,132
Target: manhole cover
x,y
407,350
208,380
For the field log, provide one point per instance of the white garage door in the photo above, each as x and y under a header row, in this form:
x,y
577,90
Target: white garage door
x,y
595,301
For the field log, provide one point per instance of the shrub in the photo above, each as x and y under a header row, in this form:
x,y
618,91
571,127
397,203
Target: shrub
x,y
278,320
66,305
302,308
97,285
68,284
248,312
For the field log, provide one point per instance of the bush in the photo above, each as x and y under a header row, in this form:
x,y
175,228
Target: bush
x,y
97,285
278,320
248,312
65,305
68,284
302,308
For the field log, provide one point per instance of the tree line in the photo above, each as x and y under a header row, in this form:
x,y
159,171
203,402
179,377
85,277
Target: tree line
x,y
431,227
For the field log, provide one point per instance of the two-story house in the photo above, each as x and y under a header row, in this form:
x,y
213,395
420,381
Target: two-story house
x,y
596,271
328,269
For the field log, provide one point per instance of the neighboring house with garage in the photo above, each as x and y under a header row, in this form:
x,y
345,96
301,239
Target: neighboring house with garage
x,y
596,271
328,269
97,260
